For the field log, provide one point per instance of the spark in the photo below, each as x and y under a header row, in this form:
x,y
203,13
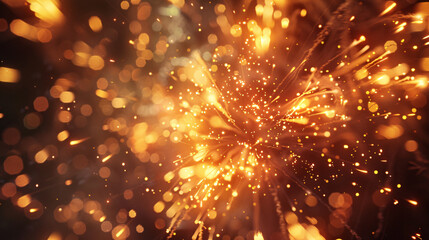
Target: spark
x,y
78,141
119,233
105,159
388,8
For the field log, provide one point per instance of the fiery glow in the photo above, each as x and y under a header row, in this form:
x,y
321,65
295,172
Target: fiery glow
x,y
225,118
47,10
249,127
258,236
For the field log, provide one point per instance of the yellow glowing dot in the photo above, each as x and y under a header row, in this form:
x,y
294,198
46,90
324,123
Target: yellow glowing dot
x,y
132,213
186,172
277,14
159,207
41,156
167,196
125,5
236,30
96,63
285,23
390,46
95,23
220,8
119,102
24,201
259,9
67,97
372,106
22,180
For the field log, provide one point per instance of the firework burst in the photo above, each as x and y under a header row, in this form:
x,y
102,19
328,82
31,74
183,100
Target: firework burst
x,y
255,119
257,124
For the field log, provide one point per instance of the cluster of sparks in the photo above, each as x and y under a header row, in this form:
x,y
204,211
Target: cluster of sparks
x,y
255,115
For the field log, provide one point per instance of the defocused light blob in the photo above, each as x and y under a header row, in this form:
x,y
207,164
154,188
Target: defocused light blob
x,y
11,136
13,165
411,146
95,23
40,104
9,75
